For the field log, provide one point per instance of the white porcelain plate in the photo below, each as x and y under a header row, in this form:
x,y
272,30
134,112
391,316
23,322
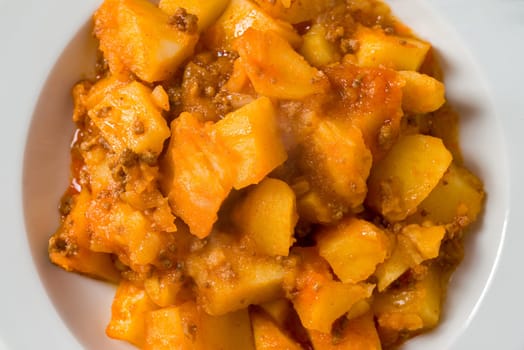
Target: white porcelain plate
x,y
46,47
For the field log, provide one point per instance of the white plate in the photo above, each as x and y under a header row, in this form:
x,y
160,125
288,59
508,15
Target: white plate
x,y
44,50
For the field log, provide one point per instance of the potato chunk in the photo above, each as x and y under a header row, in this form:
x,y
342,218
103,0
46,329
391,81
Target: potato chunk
x,y
116,227
338,162
295,11
137,35
268,216
128,118
353,248
406,176
241,15
163,287
275,69
318,299
316,49
251,133
198,172
230,276
268,336
130,306
411,307
206,11
371,99
421,93
354,334
69,247
414,244
187,326
378,49
458,197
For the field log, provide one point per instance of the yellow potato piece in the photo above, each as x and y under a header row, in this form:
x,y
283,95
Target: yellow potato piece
x,y
268,216
338,155
411,307
413,245
197,174
129,118
295,11
458,197
251,133
206,11
130,306
275,69
136,35
230,276
316,49
354,334
353,248
187,326
69,247
378,49
268,336
317,298
407,175
239,16
421,93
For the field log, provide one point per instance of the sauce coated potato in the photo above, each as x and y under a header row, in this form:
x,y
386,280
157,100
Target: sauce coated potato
x,y
265,174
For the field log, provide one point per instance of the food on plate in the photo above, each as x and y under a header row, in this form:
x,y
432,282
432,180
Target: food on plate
x,y
265,174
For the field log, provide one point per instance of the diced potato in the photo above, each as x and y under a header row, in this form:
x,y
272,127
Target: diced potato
x,y
279,310
318,299
128,118
396,264
69,246
426,240
230,276
160,98
371,101
338,156
411,307
444,124
275,69
295,11
353,248
268,216
360,308
130,306
313,208
137,35
318,309
414,244
198,174
238,80
400,53
316,49
116,227
103,87
350,334
177,327
206,11
241,15
252,134
268,336
163,287
406,176
188,327
458,197
229,331
421,93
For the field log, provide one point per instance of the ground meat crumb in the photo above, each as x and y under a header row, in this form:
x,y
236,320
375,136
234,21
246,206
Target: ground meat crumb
x,y
184,21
